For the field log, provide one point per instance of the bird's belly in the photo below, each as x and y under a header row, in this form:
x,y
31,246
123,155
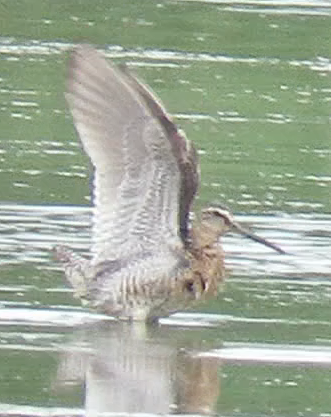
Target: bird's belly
x,y
138,288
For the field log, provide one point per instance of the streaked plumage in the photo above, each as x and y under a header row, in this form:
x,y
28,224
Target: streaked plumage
x,y
145,259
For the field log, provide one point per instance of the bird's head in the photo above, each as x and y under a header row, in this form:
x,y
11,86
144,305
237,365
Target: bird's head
x,y
217,219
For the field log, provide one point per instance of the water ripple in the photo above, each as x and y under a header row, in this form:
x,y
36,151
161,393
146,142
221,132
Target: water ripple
x,y
275,354
28,233
11,49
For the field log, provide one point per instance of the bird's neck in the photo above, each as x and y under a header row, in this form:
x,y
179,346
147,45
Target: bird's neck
x,y
203,236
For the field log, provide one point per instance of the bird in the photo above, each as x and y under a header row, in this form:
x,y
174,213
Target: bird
x,y
148,257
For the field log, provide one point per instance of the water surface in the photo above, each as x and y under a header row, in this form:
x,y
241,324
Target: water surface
x,y
250,84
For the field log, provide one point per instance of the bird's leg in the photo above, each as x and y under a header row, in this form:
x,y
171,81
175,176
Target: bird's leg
x,y
77,270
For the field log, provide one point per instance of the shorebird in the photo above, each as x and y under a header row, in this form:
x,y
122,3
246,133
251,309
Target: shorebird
x,y
146,257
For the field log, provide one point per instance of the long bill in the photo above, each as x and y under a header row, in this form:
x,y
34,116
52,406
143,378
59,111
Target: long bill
x,y
253,236
232,224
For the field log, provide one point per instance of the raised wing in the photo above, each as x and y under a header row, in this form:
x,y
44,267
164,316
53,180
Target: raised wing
x,y
137,177
183,149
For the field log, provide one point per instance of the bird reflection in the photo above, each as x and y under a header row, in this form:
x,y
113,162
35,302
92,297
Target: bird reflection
x,y
197,384
137,369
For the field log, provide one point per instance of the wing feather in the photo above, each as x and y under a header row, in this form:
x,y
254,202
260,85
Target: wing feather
x,y
183,149
137,178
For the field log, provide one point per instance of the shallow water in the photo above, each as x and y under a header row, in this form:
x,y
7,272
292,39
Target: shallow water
x,y
250,84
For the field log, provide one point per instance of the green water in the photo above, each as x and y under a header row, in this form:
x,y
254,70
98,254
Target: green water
x,y
261,78
250,84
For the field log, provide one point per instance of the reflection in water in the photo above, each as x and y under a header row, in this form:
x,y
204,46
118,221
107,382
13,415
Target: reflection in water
x,y
132,368
197,384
